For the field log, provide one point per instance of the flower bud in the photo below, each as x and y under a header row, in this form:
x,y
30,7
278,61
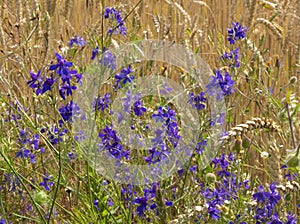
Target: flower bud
x,y
210,178
293,79
293,162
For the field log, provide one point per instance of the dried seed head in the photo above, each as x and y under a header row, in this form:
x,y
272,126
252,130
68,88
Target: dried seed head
x,y
254,123
293,79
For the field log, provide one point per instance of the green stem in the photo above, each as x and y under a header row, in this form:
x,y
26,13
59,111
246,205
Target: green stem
x,y
24,186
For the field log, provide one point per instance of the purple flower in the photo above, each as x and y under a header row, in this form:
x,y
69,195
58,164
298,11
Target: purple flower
x,y
66,90
291,219
115,17
169,203
217,119
165,90
47,85
77,40
78,77
159,116
198,101
200,146
55,135
126,101
261,195
96,204
62,66
46,183
110,202
69,111
35,141
95,52
37,83
108,60
274,195
168,133
158,140
138,108
233,57
236,32
23,153
111,143
275,219
72,156
142,201
101,103
36,80
32,158
220,85
213,211
124,76
153,206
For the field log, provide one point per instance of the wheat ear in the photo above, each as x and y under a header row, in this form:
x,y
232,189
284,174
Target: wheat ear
x,y
249,125
275,28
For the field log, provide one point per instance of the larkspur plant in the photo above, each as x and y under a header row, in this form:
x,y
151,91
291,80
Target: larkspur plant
x,y
115,19
236,32
233,57
45,177
78,41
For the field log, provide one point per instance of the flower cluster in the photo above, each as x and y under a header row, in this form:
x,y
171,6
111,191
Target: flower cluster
x,y
124,76
95,52
78,41
146,200
217,119
198,101
232,57
236,32
11,182
29,146
266,211
62,69
101,103
138,108
228,188
42,85
128,100
69,112
220,85
112,143
14,110
46,183
54,134
200,146
116,19
167,136
144,203
39,84
108,59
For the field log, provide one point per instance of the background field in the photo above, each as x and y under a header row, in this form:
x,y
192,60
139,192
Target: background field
x,y
32,31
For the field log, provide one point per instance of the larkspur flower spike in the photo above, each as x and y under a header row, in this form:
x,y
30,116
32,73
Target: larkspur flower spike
x,y
236,32
115,17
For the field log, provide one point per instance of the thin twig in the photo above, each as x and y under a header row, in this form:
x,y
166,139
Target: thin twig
x,y
291,124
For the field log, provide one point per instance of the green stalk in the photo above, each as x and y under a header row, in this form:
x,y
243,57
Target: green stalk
x,y
24,186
